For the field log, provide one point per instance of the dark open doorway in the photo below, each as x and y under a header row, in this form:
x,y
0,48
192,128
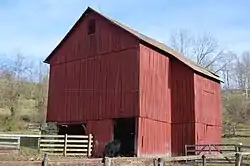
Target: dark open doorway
x,y
124,130
73,129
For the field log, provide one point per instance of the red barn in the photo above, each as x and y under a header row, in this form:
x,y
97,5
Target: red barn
x,y
111,81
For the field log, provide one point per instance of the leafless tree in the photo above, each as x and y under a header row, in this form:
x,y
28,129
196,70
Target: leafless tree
x,y
236,104
13,77
203,49
41,89
236,108
182,42
242,72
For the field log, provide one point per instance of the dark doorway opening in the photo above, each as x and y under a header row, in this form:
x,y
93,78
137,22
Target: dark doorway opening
x,y
73,129
124,131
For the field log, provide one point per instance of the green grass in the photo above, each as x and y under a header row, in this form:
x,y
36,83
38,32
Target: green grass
x,y
236,140
25,107
242,136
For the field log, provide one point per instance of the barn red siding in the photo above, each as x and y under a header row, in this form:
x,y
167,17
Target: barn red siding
x,y
97,88
205,134
208,114
107,38
94,76
154,85
102,131
155,105
207,101
182,93
154,138
182,134
182,107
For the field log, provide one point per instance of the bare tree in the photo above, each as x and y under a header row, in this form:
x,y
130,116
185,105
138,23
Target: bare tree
x,y
204,49
41,89
236,108
236,105
182,42
13,76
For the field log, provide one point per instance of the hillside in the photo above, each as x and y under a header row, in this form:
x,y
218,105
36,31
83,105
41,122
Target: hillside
x,y
26,98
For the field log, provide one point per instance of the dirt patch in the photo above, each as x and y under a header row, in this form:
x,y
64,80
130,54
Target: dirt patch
x,y
20,163
19,160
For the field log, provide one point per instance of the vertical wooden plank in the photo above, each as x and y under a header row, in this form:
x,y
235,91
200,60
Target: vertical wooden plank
x,y
38,144
150,141
160,162
65,145
89,144
154,85
45,160
203,160
107,161
18,143
102,130
238,158
182,93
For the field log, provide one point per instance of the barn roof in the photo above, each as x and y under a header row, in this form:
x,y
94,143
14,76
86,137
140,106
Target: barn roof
x,y
152,42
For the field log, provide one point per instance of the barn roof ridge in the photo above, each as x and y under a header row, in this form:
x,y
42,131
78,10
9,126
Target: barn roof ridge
x,y
146,39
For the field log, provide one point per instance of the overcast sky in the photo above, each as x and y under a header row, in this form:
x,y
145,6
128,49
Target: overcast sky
x,y
34,28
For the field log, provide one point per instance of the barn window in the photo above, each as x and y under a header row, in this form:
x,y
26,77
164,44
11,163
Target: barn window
x,y
91,26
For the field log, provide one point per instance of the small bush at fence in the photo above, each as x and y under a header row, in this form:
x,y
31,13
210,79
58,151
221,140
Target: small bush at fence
x,y
49,129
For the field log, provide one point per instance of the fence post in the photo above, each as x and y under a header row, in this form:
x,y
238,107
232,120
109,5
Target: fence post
x,y
236,148
89,144
18,142
38,144
160,162
107,161
65,145
155,162
45,160
239,147
203,160
186,150
238,159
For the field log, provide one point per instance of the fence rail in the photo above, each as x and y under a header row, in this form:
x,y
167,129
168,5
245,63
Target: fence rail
x,y
70,145
34,127
9,143
67,145
225,150
212,148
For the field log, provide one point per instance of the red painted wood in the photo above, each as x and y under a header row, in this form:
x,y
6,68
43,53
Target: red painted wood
x,y
102,131
196,102
154,138
101,95
207,133
182,93
182,134
207,101
94,76
106,75
155,82
108,38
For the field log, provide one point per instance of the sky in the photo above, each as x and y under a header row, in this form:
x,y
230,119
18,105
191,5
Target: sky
x,y
34,28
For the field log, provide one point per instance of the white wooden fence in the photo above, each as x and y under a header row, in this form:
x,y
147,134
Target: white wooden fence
x,y
67,145
9,143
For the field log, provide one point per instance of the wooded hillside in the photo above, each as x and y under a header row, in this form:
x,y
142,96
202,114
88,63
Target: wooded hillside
x,y
23,93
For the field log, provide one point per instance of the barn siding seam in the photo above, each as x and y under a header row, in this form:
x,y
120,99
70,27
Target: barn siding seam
x,y
93,57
